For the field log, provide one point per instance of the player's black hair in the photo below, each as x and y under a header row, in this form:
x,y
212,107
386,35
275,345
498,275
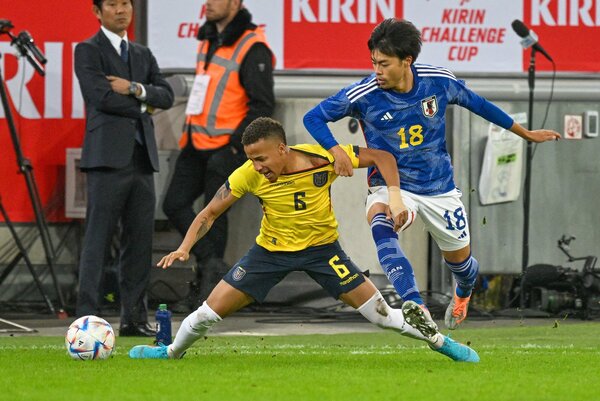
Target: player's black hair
x,y
394,37
263,128
98,3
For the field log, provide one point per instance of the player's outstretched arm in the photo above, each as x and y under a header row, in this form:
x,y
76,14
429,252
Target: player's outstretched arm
x,y
222,201
316,121
386,164
538,135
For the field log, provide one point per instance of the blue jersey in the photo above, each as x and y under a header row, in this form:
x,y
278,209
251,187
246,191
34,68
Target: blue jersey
x,y
409,125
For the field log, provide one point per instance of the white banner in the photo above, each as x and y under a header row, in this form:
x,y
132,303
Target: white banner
x,y
468,35
174,24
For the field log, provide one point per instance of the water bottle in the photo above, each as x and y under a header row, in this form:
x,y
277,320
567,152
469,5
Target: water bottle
x,y
163,325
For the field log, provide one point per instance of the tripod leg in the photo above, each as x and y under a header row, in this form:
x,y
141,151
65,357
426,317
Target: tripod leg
x,y
37,208
43,228
9,268
23,252
18,329
26,168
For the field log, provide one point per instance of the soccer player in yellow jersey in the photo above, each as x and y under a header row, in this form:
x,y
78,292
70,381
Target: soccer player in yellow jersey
x,y
298,233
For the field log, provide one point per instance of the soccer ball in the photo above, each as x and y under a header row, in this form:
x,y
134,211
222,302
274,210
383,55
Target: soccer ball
x,y
90,337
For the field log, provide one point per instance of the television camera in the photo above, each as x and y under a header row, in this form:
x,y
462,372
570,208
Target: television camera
x,y
25,45
564,290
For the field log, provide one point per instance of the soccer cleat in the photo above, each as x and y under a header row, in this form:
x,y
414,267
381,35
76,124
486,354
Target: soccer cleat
x,y
419,318
457,352
149,352
428,316
456,312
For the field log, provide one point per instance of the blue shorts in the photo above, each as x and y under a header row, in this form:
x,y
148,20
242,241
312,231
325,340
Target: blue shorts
x,y
260,270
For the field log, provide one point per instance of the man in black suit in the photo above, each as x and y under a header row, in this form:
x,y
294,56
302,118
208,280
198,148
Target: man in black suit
x,y
121,84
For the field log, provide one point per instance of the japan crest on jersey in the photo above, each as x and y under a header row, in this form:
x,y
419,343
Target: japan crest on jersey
x,y
429,106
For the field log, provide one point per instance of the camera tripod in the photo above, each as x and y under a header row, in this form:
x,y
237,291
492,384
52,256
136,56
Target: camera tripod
x,y
25,46
22,254
11,266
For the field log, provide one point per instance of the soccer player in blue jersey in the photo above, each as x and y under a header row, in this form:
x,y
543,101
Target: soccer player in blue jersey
x,y
401,108
298,233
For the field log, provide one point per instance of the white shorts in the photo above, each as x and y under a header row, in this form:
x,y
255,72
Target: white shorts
x,y
444,215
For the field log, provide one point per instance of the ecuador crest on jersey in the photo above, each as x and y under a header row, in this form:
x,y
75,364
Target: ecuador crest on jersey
x,y
320,178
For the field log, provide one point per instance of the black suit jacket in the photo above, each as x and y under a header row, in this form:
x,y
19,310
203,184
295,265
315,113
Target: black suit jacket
x,y
112,119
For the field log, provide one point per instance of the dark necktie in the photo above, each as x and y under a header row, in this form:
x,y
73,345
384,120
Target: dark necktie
x,y
124,54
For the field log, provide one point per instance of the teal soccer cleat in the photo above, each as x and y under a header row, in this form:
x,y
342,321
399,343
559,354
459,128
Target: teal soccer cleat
x,y
149,352
457,352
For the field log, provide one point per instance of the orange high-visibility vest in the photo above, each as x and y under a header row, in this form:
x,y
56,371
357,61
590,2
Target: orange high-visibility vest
x,y
226,102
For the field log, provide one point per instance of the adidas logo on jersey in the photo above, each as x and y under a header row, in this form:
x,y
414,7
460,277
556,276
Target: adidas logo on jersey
x,y
387,116
463,235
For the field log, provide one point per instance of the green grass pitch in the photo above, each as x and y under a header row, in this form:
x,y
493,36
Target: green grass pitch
x,y
547,362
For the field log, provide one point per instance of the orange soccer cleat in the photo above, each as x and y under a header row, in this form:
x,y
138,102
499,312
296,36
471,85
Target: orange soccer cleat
x,y
456,312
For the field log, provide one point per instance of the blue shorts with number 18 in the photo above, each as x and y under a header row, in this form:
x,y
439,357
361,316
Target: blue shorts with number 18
x,y
260,270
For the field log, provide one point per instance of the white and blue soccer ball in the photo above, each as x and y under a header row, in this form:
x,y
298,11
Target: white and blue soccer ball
x,y
90,337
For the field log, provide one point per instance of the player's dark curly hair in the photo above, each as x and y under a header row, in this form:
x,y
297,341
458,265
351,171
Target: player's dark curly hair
x,y
263,127
394,37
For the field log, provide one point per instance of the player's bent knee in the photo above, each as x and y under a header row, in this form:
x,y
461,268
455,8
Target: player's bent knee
x,y
374,210
225,299
359,295
458,256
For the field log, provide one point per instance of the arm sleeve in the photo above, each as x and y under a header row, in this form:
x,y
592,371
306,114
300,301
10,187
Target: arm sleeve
x,y
158,91
256,76
235,193
331,109
353,152
463,96
243,180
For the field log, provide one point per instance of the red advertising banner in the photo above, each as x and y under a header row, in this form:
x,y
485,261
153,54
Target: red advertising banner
x,y
332,34
48,111
569,31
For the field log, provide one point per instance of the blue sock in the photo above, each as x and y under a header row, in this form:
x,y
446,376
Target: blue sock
x,y
395,264
465,274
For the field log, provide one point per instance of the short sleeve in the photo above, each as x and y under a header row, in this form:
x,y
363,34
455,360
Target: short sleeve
x,y
243,180
352,152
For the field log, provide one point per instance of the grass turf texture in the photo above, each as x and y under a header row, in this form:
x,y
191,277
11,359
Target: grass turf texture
x,y
517,363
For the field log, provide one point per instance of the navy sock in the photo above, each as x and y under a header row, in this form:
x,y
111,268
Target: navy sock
x,y
465,274
393,261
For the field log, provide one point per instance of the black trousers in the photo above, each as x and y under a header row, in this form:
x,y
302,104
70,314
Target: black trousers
x,y
127,196
200,172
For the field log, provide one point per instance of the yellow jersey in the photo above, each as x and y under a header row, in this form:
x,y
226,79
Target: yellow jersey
x,y
297,209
